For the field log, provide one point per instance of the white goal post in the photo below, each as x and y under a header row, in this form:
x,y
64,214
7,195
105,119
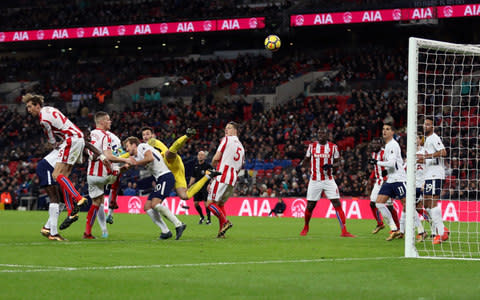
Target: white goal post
x,y
443,84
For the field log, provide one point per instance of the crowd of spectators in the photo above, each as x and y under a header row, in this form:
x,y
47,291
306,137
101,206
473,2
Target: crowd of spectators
x,y
63,77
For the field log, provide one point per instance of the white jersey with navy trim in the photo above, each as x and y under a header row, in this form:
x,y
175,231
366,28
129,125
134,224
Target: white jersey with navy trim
x,y
157,167
393,162
434,167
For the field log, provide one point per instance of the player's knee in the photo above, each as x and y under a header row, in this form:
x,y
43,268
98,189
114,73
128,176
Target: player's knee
x,y
98,200
147,205
335,202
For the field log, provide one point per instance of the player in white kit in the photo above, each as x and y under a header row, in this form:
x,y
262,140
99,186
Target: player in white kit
x,y
228,160
142,154
394,186
70,147
434,176
98,175
419,185
44,173
322,154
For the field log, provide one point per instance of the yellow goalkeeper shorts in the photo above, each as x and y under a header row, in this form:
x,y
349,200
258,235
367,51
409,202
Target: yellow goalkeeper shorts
x,y
178,170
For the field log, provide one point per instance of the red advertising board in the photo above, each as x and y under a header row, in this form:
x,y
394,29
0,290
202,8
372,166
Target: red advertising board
x,y
385,15
355,208
131,30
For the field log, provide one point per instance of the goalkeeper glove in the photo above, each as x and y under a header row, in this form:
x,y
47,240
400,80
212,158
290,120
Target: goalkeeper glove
x,y
190,132
372,161
327,167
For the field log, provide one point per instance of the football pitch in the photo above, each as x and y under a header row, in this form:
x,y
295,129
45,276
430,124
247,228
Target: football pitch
x,y
261,258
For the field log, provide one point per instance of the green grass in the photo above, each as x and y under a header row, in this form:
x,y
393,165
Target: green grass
x,y
262,258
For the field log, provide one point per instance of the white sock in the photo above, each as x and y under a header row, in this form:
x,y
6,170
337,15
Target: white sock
x,y
402,222
168,214
432,224
418,224
110,211
436,214
53,212
387,215
102,221
157,219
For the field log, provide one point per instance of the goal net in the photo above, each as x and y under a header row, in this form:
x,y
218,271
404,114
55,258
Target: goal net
x,y
443,87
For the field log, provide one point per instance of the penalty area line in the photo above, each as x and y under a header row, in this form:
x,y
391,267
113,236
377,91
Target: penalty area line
x,y
31,269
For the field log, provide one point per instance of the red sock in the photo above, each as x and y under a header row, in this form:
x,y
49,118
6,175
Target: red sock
x,y
308,216
376,214
92,214
341,218
114,193
217,211
68,202
67,186
393,211
223,210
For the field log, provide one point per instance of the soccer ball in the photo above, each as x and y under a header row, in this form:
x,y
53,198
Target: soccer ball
x,y
272,43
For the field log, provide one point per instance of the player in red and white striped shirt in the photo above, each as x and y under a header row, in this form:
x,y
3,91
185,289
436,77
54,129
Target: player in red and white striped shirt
x,y
71,146
229,160
98,175
378,176
322,154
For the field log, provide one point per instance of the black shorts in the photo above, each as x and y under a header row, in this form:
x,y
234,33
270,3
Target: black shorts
x,y
201,196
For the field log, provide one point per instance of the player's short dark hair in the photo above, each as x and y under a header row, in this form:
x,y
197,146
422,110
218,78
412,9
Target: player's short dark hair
x,y
147,128
34,98
234,124
99,115
428,118
389,124
131,140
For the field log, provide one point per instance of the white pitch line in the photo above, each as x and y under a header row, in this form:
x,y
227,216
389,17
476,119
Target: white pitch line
x,y
31,269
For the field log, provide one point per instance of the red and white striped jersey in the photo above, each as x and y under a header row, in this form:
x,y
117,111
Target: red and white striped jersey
x,y
233,157
377,170
54,123
320,156
102,141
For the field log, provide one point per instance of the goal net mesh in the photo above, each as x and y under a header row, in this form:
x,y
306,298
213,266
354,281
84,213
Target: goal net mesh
x,y
448,78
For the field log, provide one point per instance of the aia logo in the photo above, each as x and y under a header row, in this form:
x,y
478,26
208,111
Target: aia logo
x,y
253,23
397,14
299,20
40,35
207,25
121,30
448,11
134,205
163,28
347,17
80,32
298,208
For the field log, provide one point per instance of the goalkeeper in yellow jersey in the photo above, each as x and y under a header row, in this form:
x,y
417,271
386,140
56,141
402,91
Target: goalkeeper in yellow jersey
x,y
175,164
